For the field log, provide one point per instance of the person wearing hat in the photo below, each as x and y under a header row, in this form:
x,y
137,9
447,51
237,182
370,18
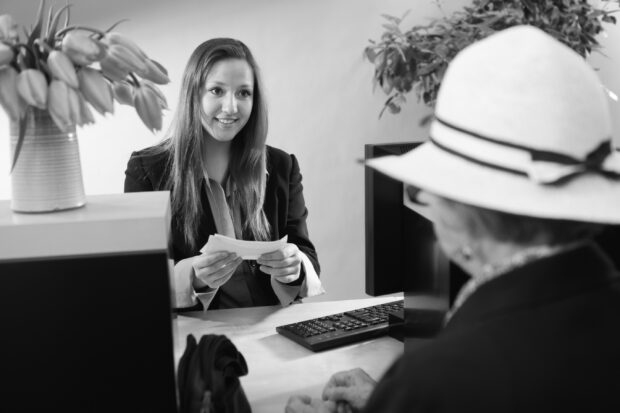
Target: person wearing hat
x,y
518,175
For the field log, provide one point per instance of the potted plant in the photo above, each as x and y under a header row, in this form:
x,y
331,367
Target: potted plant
x,y
416,59
50,81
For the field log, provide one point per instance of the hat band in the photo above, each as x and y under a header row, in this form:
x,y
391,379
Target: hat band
x,y
544,167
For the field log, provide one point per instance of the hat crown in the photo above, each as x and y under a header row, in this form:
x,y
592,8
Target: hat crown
x,y
523,87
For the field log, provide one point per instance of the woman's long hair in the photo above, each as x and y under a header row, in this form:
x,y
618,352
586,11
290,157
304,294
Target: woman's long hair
x,y
186,145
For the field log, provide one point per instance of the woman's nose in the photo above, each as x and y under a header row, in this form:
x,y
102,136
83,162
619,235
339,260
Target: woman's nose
x,y
230,104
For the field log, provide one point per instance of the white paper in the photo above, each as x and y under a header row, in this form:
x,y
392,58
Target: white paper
x,y
248,250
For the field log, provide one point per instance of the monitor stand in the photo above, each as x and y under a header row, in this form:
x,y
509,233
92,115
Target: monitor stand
x,y
423,314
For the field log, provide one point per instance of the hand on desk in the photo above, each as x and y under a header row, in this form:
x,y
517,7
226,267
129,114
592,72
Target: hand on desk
x,y
214,269
352,387
283,264
345,392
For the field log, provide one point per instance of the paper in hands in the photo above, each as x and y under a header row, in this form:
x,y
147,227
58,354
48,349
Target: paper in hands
x,y
248,250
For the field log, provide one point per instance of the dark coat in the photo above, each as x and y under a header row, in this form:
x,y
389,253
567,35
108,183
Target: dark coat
x,y
543,338
284,208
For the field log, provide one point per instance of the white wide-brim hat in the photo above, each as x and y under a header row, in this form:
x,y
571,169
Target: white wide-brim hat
x,y
522,125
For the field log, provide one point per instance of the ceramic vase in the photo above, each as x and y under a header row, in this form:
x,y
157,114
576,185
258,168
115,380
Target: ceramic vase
x,y
48,175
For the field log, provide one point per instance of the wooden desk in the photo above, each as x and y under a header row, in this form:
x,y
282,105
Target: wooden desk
x,y
279,367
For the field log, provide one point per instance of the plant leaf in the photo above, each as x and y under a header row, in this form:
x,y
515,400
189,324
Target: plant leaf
x,y
49,19
54,25
115,24
20,138
68,16
36,31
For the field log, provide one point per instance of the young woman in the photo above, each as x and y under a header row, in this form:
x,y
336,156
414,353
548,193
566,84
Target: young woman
x,y
223,179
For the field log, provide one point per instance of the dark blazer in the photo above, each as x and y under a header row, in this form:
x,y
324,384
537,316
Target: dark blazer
x,y
284,208
543,338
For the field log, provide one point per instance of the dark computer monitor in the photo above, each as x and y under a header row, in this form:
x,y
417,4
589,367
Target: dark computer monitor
x,y
91,331
402,254
609,241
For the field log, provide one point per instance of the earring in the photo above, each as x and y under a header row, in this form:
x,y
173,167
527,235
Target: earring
x,y
465,252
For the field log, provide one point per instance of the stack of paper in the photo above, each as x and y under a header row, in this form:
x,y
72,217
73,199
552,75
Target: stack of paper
x,y
248,250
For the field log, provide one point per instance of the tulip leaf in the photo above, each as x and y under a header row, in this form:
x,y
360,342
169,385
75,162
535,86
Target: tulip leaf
x,y
52,30
49,19
36,31
67,17
20,138
115,24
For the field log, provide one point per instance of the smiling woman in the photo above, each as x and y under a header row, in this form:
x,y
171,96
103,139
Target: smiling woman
x,y
224,179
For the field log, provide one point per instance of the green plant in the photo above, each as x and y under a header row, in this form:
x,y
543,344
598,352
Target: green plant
x,y
68,70
416,59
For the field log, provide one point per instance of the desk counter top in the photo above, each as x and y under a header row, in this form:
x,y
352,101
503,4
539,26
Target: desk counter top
x,y
279,367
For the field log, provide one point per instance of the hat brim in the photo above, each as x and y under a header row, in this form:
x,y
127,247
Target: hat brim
x,y
589,197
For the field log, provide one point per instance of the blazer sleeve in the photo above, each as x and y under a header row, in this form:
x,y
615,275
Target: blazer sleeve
x,y
296,227
136,177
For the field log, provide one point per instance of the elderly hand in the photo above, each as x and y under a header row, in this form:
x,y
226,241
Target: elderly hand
x,y
214,269
306,404
283,264
352,387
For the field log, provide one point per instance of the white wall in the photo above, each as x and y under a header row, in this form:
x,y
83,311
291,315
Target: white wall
x,y
322,107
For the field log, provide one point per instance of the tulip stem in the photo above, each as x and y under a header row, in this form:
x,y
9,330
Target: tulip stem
x,y
135,79
43,45
29,50
61,32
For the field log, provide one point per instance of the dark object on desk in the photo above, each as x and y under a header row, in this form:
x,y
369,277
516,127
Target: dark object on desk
x,y
208,376
402,254
88,333
339,329
421,323
609,241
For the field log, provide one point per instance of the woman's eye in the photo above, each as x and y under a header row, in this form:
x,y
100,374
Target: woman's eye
x,y
245,93
217,91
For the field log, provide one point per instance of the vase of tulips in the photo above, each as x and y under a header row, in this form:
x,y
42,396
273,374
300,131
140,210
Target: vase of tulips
x,y
50,83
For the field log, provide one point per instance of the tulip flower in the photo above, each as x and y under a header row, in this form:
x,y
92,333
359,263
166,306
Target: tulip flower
x,y
148,108
124,59
32,87
61,108
96,90
123,93
6,54
154,73
81,48
86,114
8,29
111,38
61,68
9,97
112,71
163,103
75,108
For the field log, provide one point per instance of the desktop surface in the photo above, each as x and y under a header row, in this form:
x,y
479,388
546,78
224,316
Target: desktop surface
x,y
279,367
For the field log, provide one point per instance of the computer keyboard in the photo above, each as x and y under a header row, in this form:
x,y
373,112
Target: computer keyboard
x,y
339,329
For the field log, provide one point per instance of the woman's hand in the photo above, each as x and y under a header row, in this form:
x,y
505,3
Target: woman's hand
x,y
283,264
352,387
214,269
